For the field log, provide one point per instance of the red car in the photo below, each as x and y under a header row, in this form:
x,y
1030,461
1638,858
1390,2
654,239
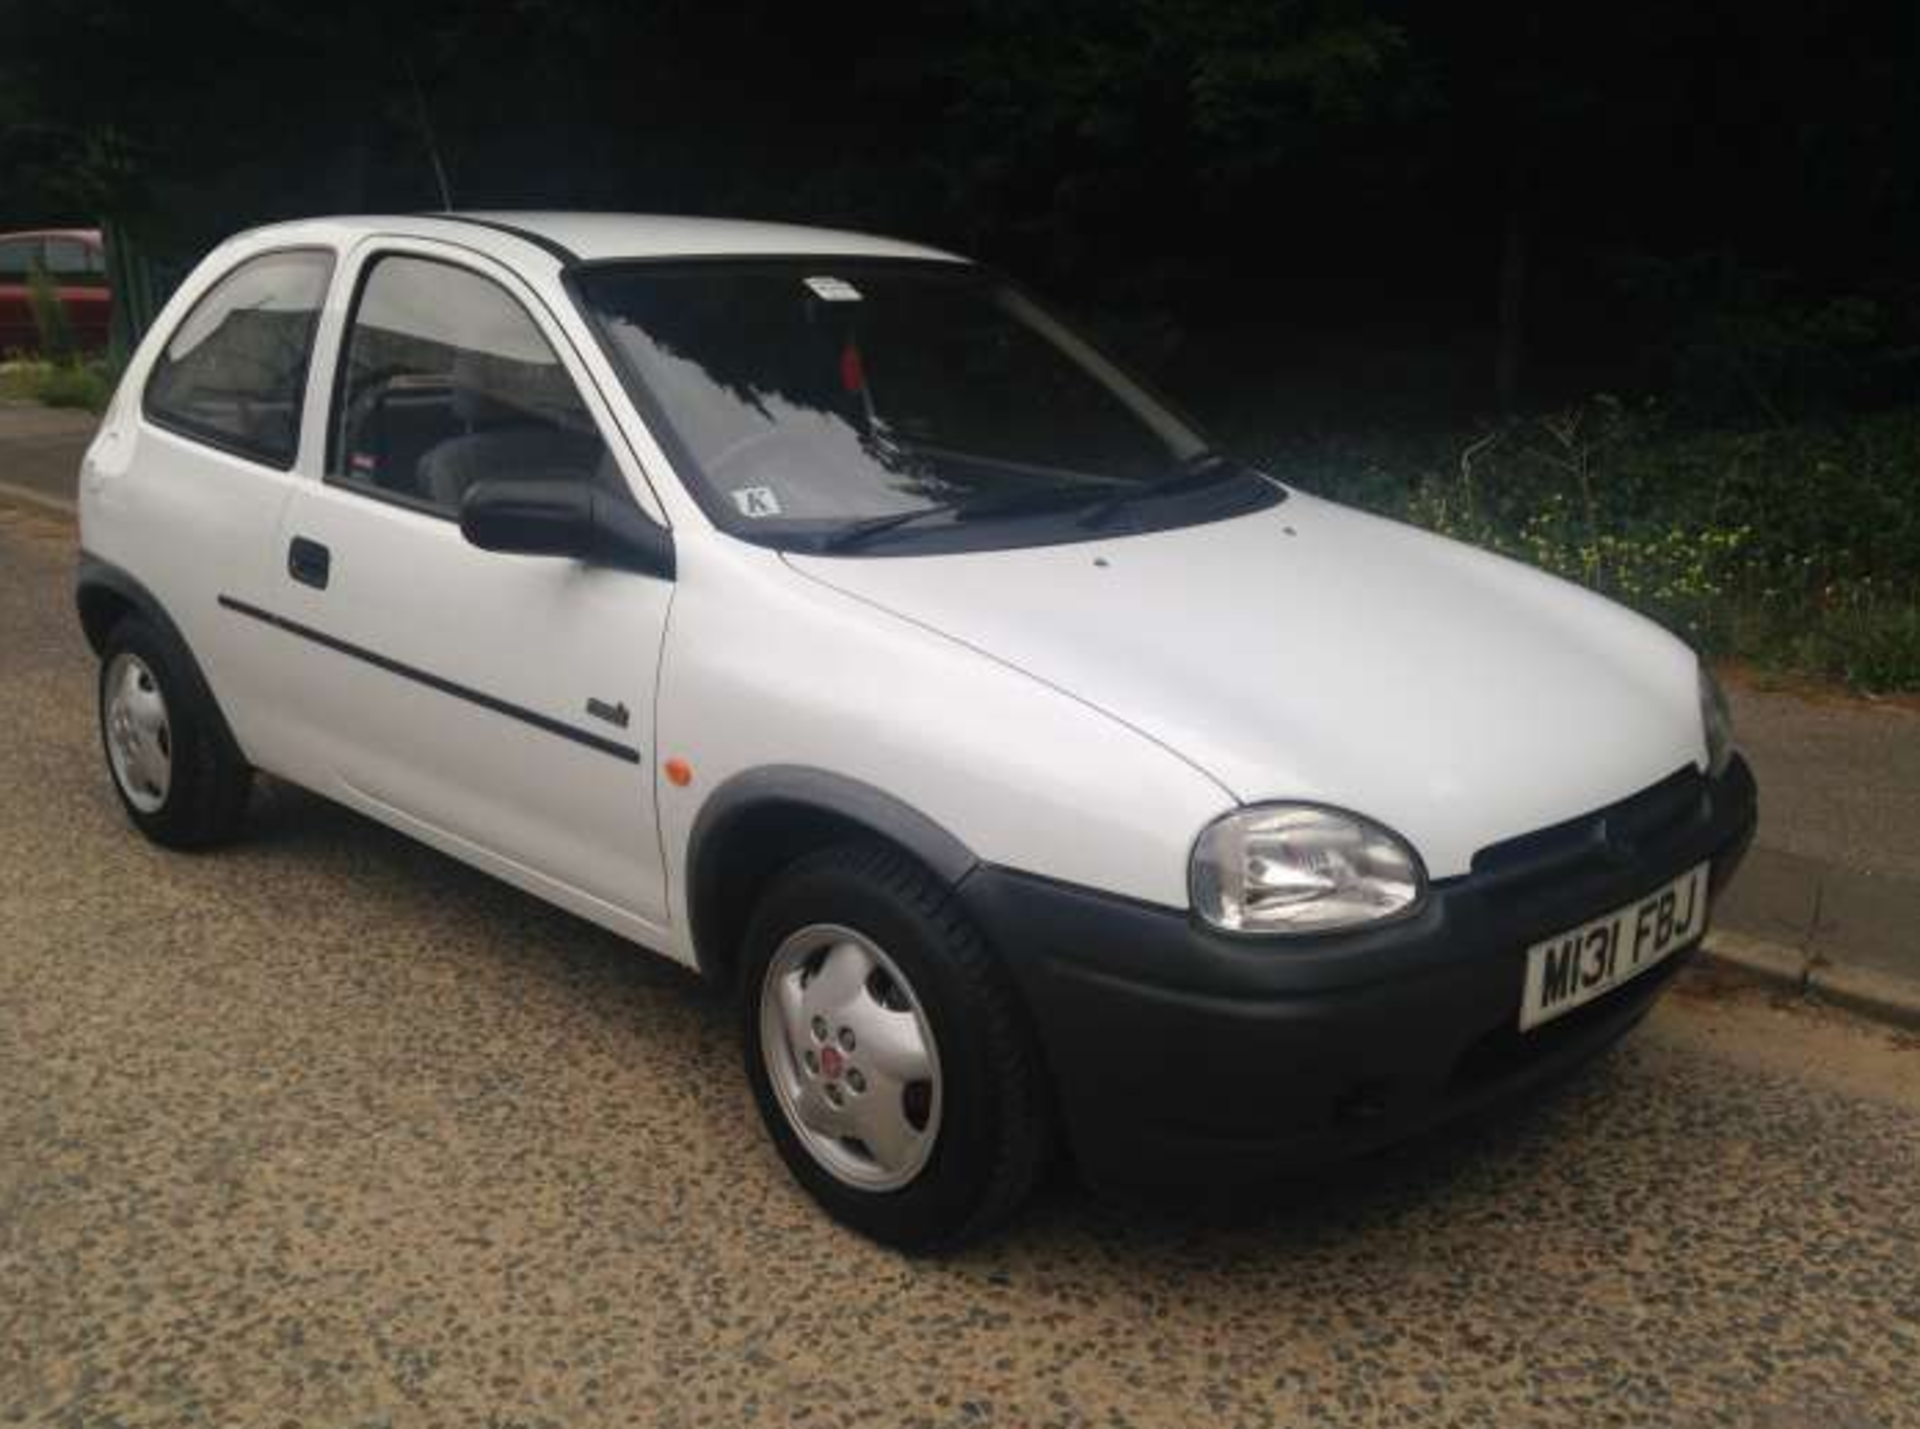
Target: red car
x,y
77,262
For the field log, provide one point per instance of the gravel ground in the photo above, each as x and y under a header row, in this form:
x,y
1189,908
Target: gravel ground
x,y
327,1130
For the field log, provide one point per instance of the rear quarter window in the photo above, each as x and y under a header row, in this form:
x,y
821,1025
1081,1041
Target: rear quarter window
x,y
234,372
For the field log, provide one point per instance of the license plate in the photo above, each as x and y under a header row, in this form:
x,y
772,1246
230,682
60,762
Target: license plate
x,y
1572,968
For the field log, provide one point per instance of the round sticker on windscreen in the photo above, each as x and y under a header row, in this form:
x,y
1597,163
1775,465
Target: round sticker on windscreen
x,y
834,290
756,501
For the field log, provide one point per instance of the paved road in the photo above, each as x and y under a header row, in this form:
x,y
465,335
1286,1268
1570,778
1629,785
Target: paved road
x,y
1836,867
40,449
327,1130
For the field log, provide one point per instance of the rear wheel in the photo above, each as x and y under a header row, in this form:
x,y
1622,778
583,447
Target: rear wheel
x,y
887,1052
179,776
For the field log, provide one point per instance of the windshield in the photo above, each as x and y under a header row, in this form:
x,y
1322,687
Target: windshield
x,y
825,403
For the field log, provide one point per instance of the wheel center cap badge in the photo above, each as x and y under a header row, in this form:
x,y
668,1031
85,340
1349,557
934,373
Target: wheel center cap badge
x,y
831,1062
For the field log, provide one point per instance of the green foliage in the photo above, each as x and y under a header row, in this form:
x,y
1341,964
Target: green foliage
x,y
87,386
1278,176
84,385
18,379
1795,547
1077,120
50,316
1863,633
1744,342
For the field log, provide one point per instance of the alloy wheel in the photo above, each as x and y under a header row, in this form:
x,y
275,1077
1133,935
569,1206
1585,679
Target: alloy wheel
x,y
851,1057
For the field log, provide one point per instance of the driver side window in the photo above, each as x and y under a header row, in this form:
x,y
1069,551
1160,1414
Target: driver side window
x,y
448,381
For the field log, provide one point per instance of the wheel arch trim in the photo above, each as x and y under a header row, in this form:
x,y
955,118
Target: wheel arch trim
x,y
802,792
96,577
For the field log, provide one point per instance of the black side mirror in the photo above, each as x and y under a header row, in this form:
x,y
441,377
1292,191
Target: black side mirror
x,y
564,516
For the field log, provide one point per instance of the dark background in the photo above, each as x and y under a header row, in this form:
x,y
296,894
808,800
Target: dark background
x,y
1412,212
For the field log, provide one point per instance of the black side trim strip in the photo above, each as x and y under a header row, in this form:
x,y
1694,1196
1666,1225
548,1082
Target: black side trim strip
x,y
566,255
625,753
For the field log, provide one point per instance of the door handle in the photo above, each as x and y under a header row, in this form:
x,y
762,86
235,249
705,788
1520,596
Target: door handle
x,y
309,562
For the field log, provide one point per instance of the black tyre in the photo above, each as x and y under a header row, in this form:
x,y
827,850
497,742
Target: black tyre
x,y
173,762
887,1052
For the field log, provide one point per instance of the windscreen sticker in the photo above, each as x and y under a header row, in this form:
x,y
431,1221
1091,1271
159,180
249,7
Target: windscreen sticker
x,y
756,501
834,290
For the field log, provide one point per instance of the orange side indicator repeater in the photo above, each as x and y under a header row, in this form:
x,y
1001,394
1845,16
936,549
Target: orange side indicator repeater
x,y
679,772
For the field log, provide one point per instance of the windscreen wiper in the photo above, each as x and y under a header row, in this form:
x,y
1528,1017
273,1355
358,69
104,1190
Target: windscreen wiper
x,y
1203,468
862,532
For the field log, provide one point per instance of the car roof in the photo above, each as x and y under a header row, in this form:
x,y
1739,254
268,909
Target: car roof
x,y
597,236
85,235
604,237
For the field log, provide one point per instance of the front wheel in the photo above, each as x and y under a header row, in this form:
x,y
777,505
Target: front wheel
x,y
887,1052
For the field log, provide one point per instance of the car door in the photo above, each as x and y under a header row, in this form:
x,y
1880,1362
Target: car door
x,y
498,705
17,332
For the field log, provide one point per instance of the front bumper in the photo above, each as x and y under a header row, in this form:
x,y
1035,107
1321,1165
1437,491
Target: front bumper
x,y
1181,1055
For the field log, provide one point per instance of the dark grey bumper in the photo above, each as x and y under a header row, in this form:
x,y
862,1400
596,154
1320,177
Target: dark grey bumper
x,y
1180,1054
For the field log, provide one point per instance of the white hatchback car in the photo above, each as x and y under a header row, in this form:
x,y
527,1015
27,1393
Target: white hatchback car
x,y
822,612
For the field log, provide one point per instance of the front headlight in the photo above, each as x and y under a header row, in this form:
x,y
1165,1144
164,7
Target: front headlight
x,y
1299,868
1717,720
